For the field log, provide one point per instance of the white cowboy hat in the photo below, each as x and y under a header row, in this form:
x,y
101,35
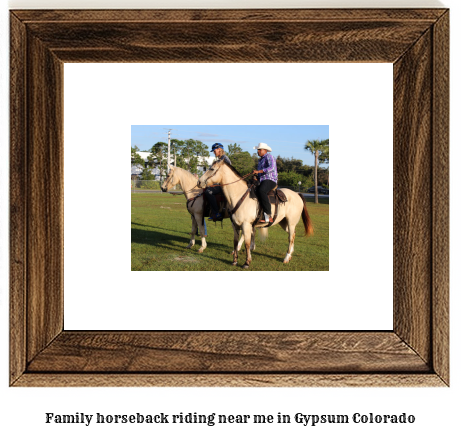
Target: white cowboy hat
x,y
264,146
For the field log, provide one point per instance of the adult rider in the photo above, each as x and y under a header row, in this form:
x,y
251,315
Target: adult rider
x,y
210,192
268,176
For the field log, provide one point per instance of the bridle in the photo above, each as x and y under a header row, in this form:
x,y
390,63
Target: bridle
x,y
167,181
244,196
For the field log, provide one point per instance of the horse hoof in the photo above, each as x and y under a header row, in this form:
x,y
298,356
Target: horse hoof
x,y
201,250
245,266
234,263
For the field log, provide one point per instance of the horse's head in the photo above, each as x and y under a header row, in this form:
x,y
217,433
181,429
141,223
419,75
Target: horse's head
x,y
170,181
212,176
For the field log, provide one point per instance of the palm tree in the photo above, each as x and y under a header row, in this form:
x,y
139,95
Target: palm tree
x,y
317,147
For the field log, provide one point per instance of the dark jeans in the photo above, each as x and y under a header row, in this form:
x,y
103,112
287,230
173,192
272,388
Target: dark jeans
x,y
198,228
261,191
210,195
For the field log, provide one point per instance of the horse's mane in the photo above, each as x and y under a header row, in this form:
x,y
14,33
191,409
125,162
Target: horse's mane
x,y
186,173
233,169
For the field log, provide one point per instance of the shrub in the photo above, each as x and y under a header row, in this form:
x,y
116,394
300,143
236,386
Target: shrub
x,y
291,178
148,184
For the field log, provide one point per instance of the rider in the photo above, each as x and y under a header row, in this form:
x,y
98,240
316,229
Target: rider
x,y
204,223
268,176
210,193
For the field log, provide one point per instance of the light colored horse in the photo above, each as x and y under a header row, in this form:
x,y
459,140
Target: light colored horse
x,y
244,217
188,183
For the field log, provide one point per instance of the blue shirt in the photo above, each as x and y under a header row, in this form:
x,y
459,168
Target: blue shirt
x,y
224,158
269,166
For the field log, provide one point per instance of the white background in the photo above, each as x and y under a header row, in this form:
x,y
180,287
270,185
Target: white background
x,y
102,101
436,410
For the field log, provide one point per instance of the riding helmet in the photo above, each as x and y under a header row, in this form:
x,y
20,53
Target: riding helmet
x,y
216,145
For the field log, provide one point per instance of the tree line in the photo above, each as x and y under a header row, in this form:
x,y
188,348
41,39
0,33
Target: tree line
x,y
190,153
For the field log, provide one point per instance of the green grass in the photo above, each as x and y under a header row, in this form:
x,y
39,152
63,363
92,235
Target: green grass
x,y
160,228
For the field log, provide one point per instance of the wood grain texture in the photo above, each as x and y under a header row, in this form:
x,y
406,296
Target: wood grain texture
x,y
241,352
265,36
414,354
45,200
230,380
246,15
18,192
357,41
440,195
413,196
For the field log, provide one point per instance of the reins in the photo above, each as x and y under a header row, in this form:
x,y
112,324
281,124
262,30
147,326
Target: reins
x,y
235,181
190,190
192,200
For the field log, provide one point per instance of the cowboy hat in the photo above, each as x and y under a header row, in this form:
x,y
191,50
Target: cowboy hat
x,y
264,146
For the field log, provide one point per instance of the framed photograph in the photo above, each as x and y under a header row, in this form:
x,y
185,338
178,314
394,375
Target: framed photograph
x,y
184,215
415,352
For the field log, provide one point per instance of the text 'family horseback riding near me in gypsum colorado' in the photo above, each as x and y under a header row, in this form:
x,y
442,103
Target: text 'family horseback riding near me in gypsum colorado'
x,y
212,419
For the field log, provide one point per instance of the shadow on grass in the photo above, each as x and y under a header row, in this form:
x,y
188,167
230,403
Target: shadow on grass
x,y
153,237
177,244
163,238
167,240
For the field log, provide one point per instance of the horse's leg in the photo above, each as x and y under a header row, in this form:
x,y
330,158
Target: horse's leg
x,y
194,229
291,237
247,233
237,244
253,243
199,219
291,241
240,243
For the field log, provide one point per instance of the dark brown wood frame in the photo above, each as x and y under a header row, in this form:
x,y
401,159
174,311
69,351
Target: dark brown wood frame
x,y
414,353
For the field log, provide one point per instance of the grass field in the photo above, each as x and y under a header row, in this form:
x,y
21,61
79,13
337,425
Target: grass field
x,y
160,228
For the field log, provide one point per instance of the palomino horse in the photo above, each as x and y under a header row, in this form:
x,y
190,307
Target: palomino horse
x,y
194,204
245,214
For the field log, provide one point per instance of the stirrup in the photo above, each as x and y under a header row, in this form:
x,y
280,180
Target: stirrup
x,y
266,219
216,217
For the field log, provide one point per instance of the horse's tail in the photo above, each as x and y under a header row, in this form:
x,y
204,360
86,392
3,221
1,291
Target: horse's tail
x,y
263,234
308,227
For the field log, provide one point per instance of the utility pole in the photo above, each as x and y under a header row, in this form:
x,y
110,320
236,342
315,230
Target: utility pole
x,y
168,161
173,146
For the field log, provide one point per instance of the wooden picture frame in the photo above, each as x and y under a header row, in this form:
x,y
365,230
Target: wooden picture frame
x,y
414,353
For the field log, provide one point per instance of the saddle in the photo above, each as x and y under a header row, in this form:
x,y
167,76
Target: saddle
x,y
222,206
275,197
220,199
273,194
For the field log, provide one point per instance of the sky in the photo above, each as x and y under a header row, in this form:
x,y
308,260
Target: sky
x,y
286,141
